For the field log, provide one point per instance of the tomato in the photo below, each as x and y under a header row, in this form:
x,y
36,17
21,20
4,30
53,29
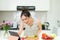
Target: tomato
x,y
44,35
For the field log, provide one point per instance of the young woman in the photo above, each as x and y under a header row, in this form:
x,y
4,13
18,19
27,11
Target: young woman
x,y
32,26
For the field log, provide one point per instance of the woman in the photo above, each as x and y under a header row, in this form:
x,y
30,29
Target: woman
x,y
31,25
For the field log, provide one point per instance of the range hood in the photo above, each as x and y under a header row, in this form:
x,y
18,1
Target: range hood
x,y
29,7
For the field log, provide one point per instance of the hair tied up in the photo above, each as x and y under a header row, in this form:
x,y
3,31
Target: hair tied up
x,y
25,9
25,12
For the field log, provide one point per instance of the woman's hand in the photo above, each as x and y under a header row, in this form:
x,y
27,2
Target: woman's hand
x,y
22,24
21,28
39,28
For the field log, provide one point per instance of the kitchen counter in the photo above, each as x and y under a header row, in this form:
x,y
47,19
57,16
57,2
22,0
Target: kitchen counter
x,y
18,29
12,29
6,38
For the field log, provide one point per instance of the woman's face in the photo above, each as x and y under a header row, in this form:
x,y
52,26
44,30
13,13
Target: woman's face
x,y
24,19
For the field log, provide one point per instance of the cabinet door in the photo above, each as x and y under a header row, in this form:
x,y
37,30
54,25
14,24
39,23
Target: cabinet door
x,y
42,5
27,2
8,5
12,4
3,4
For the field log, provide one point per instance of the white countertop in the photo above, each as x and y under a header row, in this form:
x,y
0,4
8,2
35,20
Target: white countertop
x,y
2,37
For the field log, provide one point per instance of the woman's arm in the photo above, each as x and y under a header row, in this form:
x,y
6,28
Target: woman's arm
x,y
19,33
21,28
40,27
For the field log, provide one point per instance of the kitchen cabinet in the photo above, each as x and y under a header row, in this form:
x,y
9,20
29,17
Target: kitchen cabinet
x,y
41,5
27,2
8,5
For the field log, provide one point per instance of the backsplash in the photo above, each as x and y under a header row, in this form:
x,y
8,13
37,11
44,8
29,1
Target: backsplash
x,y
14,16
41,15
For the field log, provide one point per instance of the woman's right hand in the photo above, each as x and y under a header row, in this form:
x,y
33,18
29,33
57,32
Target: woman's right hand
x,y
22,24
21,28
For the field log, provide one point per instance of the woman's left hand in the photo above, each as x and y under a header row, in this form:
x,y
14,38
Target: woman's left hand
x,y
38,33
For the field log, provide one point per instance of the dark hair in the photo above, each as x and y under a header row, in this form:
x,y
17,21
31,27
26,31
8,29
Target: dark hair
x,y
25,12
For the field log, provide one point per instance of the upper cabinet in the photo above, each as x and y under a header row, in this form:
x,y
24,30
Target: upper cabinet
x,y
27,2
41,5
10,5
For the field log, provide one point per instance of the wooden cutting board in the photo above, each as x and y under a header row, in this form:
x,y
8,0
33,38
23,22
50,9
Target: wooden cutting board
x,y
32,38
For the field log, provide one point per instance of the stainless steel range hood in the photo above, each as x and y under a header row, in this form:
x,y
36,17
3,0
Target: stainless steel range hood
x,y
29,7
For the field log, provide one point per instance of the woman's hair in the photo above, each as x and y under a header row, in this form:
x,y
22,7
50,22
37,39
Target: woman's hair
x,y
25,12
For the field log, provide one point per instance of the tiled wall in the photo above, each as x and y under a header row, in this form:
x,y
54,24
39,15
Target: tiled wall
x,y
15,16
41,15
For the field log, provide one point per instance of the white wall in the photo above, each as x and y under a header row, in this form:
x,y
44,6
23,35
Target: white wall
x,y
51,14
54,13
58,9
